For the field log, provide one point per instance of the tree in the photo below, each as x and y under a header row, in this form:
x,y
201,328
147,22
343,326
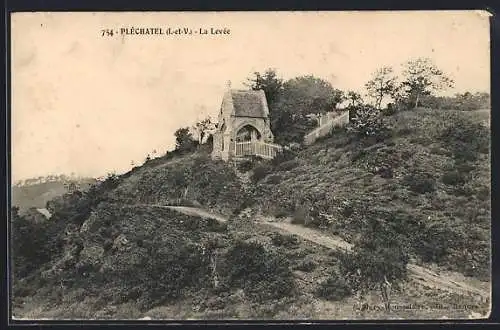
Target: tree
x,y
422,77
301,97
310,95
184,140
269,82
354,98
378,262
202,129
382,84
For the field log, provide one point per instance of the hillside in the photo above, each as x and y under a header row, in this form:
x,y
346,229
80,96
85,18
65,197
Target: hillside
x,y
38,194
111,253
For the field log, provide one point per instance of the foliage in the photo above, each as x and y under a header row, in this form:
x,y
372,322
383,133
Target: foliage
x,y
334,288
202,130
184,141
421,77
420,182
260,172
354,98
287,165
466,138
245,166
308,94
379,257
453,178
274,179
434,241
287,241
464,102
367,122
300,216
382,83
283,156
29,248
306,265
269,82
291,101
261,273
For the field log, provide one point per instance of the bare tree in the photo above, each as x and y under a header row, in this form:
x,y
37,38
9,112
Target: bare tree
x,y
422,77
382,84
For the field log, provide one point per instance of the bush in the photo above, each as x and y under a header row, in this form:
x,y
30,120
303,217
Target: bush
x,y
300,216
465,138
287,165
261,273
389,110
420,182
306,265
260,172
366,122
288,241
284,156
378,257
274,179
453,178
280,212
434,241
31,244
245,166
334,288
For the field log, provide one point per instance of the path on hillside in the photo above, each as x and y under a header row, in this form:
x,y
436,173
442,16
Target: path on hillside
x,y
418,274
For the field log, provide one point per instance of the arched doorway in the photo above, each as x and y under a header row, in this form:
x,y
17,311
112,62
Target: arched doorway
x,y
247,133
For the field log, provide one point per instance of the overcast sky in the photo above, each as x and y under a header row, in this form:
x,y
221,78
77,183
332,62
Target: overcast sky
x,y
91,105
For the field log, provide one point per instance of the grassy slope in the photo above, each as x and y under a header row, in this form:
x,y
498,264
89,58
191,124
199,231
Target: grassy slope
x,y
333,176
338,176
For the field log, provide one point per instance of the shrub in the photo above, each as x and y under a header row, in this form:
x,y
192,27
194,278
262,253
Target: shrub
x,y
274,179
465,138
366,122
389,110
288,241
287,165
453,178
306,265
300,216
420,182
280,212
378,257
260,172
30,244
434,241
334,288
261,273
283,156
245,166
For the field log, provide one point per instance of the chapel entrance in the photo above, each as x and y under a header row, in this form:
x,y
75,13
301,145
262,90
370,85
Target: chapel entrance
x,y
247,133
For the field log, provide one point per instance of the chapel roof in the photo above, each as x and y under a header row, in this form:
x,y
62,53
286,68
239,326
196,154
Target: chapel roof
x,y
248,103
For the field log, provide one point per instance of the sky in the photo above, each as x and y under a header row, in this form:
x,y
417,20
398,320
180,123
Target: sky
x,y
89,104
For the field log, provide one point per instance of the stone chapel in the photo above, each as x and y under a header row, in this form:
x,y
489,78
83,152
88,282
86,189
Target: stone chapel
x,y
243,126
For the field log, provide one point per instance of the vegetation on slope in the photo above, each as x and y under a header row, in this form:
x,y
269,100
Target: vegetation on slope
x,y
411,185
427,180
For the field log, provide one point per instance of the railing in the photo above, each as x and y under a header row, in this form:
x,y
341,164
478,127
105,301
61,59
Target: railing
x,y
326,128
257,148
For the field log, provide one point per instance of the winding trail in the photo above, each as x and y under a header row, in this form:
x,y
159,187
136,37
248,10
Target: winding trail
x,y
421,275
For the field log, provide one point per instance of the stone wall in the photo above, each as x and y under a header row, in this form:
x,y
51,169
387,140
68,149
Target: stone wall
x,y
326,128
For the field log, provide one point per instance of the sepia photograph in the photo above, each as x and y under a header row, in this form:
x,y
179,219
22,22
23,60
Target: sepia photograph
x,y
291,165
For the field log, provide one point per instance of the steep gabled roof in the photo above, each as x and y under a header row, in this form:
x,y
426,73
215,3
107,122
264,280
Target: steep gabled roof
x,y
248,103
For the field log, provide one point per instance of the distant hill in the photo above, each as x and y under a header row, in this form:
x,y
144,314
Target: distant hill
x,y
37,192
